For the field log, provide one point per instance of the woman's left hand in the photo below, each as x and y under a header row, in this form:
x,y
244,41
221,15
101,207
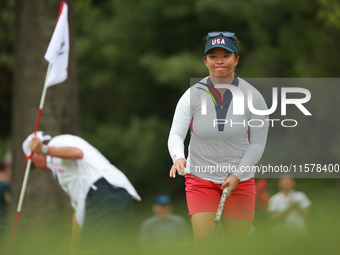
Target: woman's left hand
x,y
231,182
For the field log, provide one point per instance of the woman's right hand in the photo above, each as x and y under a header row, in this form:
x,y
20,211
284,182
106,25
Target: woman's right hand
x,y
179,166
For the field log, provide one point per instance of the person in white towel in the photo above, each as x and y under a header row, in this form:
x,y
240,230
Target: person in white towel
x,y
100,194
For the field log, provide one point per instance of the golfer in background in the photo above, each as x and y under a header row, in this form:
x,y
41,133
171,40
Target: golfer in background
x,y
100,194
223,146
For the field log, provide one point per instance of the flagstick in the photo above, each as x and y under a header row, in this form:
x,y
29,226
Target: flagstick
x,y
29,161
42,100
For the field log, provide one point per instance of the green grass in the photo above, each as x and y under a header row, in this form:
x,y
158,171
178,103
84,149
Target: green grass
x,y
51,234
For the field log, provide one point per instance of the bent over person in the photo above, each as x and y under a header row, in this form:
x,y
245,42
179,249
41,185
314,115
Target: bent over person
x,y
100,194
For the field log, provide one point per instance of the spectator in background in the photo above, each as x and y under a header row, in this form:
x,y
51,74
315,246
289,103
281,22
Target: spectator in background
x,y
261,203
289,209
164,228
262,196
6,174
4,195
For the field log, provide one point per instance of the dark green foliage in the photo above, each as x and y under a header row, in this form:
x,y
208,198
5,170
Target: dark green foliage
x,y
6,64
135,60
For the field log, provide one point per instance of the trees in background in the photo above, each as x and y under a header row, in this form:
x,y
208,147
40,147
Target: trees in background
x,y
135,59
140,56
35,23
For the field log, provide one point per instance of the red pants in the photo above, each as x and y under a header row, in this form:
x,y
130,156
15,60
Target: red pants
x,y
204,196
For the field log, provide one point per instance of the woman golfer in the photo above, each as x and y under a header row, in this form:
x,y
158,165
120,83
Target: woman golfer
x,y
227,139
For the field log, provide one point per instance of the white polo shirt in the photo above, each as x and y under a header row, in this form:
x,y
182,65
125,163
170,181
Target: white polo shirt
x,y
293,220
76,177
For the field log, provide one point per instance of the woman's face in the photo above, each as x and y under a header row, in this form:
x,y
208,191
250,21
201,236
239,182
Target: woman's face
x,y
221,63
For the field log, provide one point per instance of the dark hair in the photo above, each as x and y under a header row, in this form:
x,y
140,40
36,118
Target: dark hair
x,y
207,38
2,166
47,140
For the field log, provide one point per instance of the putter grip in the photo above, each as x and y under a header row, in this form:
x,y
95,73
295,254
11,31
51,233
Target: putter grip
x,y
186,171
221,205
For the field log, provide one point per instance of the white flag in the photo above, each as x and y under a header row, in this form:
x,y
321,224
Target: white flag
x,y
57,51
